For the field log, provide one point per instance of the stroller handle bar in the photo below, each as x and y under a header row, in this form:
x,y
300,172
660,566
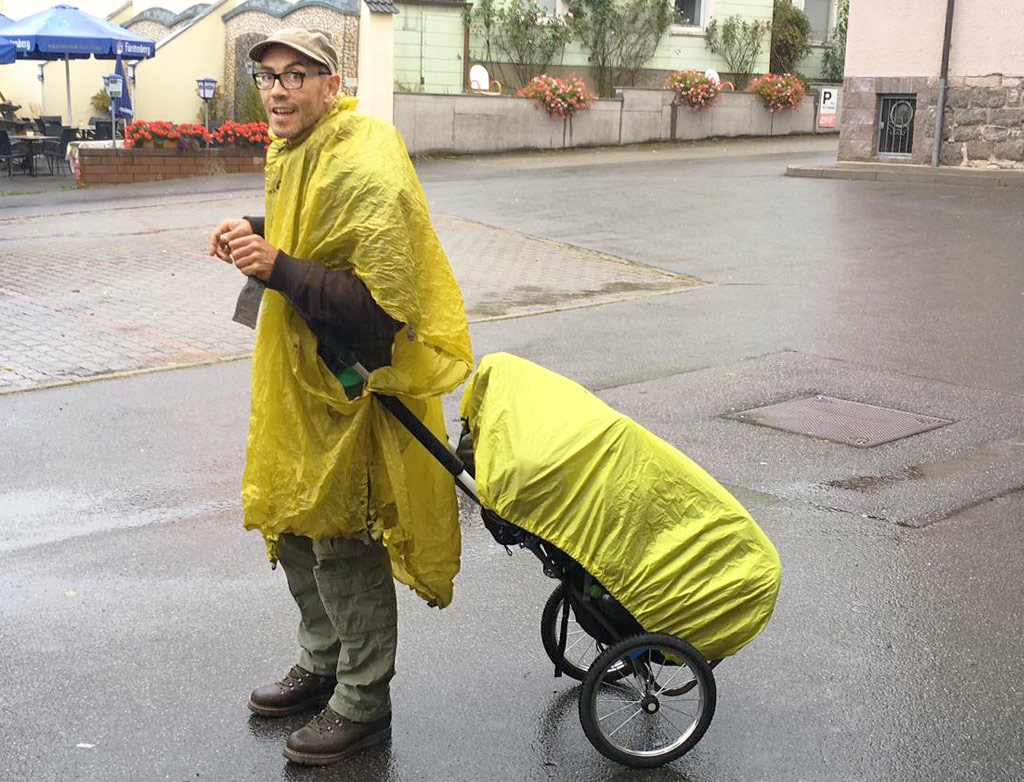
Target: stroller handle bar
x,y
443,452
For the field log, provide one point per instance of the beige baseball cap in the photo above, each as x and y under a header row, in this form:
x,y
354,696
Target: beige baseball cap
x,y
314,45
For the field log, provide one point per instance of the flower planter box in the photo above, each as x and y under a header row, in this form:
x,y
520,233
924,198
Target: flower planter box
x,y
148,164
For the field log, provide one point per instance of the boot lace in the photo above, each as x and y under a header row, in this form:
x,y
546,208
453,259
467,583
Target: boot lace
x,y
326,721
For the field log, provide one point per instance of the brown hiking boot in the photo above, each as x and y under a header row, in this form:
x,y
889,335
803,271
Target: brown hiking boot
x,y
297,691
329,737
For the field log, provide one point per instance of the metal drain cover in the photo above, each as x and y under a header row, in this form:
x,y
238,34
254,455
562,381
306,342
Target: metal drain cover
x,y
839,420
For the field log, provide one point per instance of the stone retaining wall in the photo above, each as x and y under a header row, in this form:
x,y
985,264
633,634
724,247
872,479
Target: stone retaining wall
x,y
123,166
473,124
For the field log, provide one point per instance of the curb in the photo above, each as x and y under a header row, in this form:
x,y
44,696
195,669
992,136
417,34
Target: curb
x,y
881,172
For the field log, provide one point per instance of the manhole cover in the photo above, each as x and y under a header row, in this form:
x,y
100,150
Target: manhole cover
x,y
839,420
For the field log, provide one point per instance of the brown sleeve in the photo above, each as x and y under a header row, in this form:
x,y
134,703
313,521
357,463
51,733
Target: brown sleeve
x,y
257,224
339,301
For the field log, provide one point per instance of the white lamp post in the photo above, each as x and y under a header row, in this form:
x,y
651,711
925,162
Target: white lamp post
x,y
114,85
205,86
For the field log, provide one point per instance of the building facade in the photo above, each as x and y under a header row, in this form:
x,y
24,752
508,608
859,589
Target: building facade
x,y
894,54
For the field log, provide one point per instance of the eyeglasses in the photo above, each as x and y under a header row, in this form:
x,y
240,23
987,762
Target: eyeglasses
x,y
290,80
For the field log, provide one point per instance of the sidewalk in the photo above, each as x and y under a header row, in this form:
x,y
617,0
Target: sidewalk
x,y
902,172
109,286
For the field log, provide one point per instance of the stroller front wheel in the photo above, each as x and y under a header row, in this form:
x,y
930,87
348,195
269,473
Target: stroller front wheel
x,y
581,648
654,713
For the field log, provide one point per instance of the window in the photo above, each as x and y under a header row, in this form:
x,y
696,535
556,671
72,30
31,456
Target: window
x,y
896,124
817,12
688,12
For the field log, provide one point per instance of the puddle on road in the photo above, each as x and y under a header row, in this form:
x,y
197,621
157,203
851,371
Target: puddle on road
x,y
987,454
41,516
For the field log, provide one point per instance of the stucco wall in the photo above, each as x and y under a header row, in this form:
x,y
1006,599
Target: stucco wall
x,y
165,86
376,64
904,38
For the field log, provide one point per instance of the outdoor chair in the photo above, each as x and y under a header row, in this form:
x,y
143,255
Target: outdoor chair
x,y
13,153
56,151
101,130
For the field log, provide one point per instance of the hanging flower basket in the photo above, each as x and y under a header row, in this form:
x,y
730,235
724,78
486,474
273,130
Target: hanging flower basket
x,y
693,89
779,92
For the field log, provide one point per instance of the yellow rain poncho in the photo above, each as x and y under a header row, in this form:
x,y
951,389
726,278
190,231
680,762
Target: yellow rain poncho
x,y
659,533
319,464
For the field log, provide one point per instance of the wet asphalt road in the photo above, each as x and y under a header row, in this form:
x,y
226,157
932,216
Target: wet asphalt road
x,y
136,614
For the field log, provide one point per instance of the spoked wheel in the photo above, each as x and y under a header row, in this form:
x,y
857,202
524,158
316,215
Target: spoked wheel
x,y
581,648
657,710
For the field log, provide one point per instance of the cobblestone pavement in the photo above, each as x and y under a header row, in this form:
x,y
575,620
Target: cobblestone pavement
x,y
94,293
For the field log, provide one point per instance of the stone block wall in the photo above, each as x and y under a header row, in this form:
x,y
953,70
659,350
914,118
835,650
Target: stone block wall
x,y
983,125
858,120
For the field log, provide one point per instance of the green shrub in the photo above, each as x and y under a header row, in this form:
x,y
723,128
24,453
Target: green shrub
x,y
620,36
250,105
738,41
522,33
834,60
791,35
100,102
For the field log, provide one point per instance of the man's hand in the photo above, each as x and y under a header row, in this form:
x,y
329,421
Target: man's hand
x,y
253,255
226,230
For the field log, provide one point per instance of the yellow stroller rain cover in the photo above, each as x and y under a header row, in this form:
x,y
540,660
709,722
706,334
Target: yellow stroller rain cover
x,y
660,534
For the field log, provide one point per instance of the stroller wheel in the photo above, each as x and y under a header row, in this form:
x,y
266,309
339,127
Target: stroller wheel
x,y
657,710
581,648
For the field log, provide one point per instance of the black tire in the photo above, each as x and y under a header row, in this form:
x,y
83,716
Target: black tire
x,y
638,699
581,649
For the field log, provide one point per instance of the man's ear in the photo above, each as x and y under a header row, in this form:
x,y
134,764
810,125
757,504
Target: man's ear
x,y
333,85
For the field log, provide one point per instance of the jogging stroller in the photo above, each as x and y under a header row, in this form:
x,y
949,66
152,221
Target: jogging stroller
x,y
661,572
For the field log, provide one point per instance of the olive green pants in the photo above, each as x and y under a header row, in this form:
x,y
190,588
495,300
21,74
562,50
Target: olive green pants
x,y
349,618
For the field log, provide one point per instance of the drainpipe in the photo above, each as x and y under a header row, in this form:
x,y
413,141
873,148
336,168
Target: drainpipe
x,y
940,109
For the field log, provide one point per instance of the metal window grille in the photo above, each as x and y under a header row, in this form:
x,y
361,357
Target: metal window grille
x,y
896,124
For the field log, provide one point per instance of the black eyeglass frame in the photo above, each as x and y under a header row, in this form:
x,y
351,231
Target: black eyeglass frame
x,y
280,77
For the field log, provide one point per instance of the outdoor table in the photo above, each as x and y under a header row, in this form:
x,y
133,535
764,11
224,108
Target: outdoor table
x,y
72,153
32,141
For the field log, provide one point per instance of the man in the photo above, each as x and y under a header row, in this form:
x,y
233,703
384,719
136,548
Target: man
x,y
343,495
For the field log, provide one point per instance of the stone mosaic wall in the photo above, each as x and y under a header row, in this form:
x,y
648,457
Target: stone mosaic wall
x,y
150,29
244,30
983,125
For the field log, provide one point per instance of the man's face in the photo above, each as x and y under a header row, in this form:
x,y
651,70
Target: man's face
x,y
290,113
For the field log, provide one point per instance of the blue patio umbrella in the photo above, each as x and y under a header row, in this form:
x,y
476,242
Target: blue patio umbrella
x,y
123,105
66,33
7,50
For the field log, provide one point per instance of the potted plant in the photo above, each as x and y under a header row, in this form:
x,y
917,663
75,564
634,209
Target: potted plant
x,y
693,89
779,92
561,98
